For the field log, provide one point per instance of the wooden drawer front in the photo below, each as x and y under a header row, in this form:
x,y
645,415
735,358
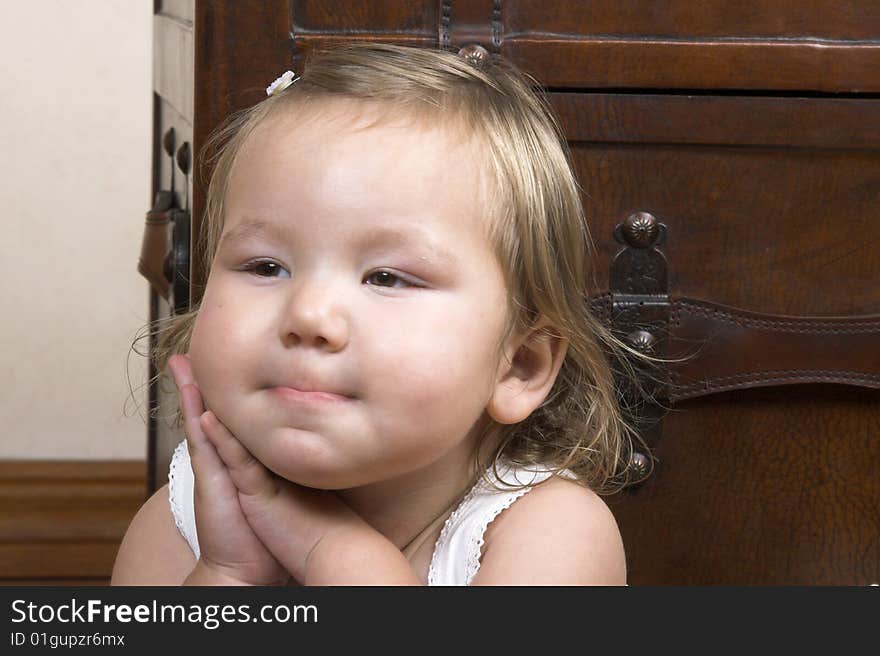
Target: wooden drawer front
x,y
821,45
849,20
766,209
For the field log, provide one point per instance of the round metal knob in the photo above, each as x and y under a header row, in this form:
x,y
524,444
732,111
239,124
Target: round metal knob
x,y
474,54
642,340
640,229
639,464
168,142
183,158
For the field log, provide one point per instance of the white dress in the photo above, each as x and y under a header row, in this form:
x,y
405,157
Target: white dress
x,y
456,557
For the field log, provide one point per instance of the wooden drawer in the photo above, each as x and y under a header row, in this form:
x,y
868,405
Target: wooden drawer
x,y
770,203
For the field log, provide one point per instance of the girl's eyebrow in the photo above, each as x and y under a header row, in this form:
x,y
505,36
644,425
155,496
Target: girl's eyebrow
x,y
415,237
250,227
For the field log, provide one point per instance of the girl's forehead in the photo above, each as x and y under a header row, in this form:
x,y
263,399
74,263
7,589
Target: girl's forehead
x,y
343,116
353,147
384,135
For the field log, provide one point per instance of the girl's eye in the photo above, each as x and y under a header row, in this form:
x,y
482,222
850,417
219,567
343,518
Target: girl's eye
x,y
387,279
264,268
269,269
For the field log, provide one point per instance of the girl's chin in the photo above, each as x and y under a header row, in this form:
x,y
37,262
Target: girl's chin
x,y
297,455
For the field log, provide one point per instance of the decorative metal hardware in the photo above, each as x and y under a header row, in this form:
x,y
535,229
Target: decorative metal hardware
x,y
474,54
640,309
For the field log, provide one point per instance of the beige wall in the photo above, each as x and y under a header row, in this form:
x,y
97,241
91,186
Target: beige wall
x,y
75,119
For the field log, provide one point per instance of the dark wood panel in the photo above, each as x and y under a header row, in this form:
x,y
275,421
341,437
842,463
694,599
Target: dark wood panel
x,y
686,19
825,46
772,486
651,63
844,20
419,17
579,62
842,124
778,231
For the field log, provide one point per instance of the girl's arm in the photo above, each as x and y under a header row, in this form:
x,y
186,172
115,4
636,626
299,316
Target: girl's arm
x,y
559,533
153,552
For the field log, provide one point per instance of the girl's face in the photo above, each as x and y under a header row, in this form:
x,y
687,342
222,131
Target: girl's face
x,y
354,267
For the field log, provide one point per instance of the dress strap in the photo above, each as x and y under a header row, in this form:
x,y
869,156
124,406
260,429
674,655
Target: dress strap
x,y
457,552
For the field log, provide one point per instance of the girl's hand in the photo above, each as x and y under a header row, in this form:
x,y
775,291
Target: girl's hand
x,y
230,551
291,520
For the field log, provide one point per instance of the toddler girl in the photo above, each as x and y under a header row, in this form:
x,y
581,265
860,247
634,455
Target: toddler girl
x,y
394,344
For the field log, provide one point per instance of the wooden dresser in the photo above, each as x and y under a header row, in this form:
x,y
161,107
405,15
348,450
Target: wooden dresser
x,y
729,153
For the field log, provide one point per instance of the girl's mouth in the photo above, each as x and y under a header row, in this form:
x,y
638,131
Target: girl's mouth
x,y
299,396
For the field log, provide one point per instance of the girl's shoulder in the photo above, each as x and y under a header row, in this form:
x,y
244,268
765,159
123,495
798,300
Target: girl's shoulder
x,y
560,532
152,551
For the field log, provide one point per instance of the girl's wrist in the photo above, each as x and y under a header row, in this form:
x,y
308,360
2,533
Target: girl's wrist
x,y
357,556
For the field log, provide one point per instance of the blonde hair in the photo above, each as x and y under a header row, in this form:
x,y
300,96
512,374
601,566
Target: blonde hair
x,y
539,233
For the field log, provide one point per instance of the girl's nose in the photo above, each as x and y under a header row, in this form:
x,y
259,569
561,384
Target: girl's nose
x,y
314,317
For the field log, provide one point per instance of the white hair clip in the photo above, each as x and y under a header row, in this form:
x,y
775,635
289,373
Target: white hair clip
x,y
288,78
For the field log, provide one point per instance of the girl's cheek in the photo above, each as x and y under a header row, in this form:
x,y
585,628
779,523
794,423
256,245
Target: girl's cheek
x,y
197,338
197,361
207,322
201,345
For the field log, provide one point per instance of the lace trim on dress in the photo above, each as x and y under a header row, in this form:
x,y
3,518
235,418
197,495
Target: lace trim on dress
x,y
443,538
477,532
477,539
176,491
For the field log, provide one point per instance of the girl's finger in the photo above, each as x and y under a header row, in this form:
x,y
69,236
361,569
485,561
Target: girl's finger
x,y
181,370
202,454
212,481
248,474
190,402
189,405
189,399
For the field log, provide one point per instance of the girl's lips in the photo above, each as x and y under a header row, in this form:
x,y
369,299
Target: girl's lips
x,y
291,394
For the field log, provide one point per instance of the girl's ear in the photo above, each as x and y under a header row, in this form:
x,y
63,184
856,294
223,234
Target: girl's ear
x,y
525,380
